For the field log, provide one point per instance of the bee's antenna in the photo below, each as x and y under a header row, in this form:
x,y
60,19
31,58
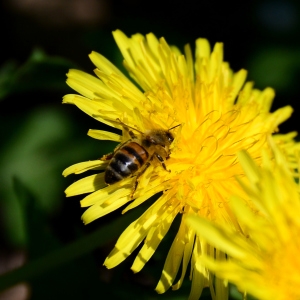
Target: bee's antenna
x,y
174,127
129,126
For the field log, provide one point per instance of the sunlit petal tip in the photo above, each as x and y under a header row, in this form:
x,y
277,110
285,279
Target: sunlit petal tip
x,y
68,99
202,47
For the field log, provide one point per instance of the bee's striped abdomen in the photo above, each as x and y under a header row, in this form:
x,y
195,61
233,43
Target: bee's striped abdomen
x,y
125,162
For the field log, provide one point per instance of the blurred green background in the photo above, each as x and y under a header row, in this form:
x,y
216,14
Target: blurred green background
x,y
40,228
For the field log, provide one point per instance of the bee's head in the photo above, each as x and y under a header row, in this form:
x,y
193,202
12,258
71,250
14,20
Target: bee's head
x,y
158,138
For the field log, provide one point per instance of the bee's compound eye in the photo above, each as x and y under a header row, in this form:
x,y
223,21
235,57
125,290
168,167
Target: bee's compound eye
x,y
170,137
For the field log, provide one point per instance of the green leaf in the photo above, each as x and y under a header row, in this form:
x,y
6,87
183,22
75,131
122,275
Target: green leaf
x,y
40,72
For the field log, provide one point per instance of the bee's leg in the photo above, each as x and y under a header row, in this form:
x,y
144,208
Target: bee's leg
x,y
127,128
130,132
161,160
108,156
139,174
146,166
136,183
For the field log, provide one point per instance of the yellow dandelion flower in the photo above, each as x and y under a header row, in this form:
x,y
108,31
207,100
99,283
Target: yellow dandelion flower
x,y
217,114
266,262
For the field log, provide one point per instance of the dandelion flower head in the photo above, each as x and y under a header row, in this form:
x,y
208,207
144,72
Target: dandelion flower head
x,y
218,114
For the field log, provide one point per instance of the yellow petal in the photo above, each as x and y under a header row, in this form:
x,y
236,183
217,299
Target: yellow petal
x,y
156,234
86,185
94,212
104,64
129,240
188,248
97,110
238,81
104,135
213,234
249,166
123,43
282,114
202,48
189,61
85,84
198,281
85,166
107,193
134,234
172,262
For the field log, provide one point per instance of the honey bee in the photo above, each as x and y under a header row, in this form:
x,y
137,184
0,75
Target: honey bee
x,y
135,155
